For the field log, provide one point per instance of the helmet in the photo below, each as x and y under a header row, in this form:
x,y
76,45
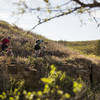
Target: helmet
x,y
39,41
9,37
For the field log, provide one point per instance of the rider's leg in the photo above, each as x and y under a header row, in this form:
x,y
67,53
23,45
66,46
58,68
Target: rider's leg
x,y
10,53
36,53
4,47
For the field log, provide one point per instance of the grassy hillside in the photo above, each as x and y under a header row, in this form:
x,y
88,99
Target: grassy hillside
x,y
59,75
84,47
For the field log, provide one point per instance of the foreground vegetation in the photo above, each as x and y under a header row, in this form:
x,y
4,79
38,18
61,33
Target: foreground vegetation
x,y
55,86
61,73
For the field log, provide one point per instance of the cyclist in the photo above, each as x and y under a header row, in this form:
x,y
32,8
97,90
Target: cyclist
x,y
5,43
37,47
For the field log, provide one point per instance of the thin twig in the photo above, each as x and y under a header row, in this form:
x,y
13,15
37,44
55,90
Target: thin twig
x,y
64,13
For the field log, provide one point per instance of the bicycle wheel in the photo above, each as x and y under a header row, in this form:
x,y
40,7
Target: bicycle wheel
x,y
10,53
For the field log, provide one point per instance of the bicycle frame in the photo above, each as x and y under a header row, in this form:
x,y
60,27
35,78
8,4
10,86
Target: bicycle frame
x,y
7,52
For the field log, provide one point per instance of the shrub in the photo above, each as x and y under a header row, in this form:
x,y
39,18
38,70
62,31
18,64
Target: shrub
x,y
56,86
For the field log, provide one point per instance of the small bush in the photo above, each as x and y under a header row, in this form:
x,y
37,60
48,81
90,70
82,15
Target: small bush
x,y
57,86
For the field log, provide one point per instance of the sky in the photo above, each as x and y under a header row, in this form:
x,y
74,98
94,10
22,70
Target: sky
x,y
67,28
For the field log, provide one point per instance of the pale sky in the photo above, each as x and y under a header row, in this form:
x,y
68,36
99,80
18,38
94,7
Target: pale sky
x,y
67,28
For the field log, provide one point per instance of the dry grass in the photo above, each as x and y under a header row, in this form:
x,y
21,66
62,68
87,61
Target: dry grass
x,y
23,42
24,66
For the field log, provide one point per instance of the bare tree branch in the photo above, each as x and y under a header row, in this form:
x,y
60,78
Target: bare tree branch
x,y
60,10
79,2
64,13
91,5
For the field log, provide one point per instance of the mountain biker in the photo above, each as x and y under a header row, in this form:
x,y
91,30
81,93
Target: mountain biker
x,y
37,47
5,43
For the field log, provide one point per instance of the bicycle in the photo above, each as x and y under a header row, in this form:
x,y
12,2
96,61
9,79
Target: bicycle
x,y
40,53
7,52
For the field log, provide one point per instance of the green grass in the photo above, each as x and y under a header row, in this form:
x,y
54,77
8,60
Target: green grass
x,y
84,47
